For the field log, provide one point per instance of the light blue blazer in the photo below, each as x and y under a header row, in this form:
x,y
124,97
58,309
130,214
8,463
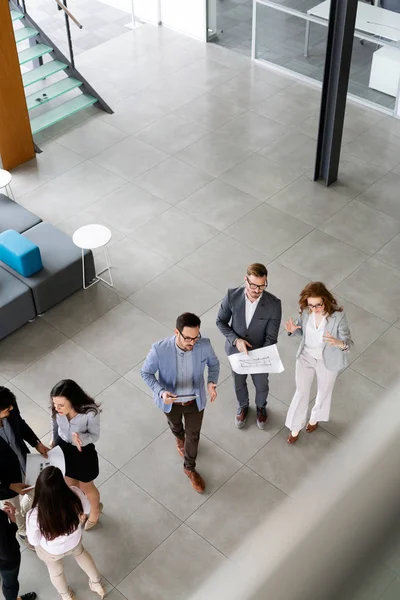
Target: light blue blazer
x,y
334,358
162,359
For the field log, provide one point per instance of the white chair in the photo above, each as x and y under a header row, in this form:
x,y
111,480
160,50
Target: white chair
x,y
5,183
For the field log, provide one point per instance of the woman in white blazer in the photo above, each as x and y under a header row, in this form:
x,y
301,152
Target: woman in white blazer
x,y
325,342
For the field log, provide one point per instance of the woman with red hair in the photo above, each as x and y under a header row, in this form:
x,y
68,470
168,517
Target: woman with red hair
x,y
325,342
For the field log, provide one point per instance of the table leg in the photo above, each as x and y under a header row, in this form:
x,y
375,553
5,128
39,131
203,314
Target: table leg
x,y
306,41
83,270
106,268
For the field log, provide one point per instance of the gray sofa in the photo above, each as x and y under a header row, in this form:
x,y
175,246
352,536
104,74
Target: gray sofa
x,y
22,298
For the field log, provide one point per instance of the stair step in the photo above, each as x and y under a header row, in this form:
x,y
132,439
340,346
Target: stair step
x,y
35,51
50,68
52,91
24,34
16,15
61,112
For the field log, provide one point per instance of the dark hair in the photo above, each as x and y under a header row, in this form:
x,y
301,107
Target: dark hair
x,y
187,320
58,508
69,389
7,398
258,270
316,289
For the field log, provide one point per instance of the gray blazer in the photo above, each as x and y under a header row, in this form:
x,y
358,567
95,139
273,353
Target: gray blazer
x,y
264,326
334,358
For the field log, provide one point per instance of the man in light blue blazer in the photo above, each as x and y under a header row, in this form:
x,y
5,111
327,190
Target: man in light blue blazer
x,y
180,391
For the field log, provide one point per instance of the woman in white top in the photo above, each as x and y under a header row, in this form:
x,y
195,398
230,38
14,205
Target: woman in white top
x,y
325,341
54,528
76,428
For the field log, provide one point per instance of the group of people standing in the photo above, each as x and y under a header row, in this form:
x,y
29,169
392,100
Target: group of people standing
x,y
49,520
249,318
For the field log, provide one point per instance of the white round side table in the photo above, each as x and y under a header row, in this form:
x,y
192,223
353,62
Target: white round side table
x,y
5,183
90,237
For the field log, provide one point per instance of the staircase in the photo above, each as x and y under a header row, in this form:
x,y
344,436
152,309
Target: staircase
x,y
48,62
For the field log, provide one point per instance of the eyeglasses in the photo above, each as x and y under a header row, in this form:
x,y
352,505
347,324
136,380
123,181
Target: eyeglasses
x,y
190,339
254,286
313,306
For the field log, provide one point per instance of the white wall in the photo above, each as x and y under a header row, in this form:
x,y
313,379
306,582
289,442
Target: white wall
x,y
146,10
186,16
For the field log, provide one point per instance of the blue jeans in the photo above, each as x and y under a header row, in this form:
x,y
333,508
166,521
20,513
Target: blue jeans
x,y
10,584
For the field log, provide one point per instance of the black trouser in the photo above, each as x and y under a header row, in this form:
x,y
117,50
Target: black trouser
x,y
10,584
191,432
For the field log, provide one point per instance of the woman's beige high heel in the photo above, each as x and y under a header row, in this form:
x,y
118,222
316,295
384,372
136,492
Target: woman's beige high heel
x,y
90,524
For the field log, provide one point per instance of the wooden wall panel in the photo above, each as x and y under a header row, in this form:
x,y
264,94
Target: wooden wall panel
x,y
16,143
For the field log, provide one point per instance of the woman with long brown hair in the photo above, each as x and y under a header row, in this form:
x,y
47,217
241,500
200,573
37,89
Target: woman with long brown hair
x,y
76,428
325,342
54,528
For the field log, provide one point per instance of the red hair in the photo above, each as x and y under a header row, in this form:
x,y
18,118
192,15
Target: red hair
x,y
316,289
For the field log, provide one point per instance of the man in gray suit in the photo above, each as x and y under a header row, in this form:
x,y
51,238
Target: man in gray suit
x,y
250,317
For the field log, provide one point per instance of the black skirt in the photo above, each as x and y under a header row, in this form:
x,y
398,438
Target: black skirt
x,y
83,466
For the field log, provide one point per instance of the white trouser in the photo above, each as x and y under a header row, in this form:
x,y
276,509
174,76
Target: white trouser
x,y
23,505
306,368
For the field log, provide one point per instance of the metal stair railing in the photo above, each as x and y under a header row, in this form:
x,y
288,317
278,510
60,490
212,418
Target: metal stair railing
x,y
71,69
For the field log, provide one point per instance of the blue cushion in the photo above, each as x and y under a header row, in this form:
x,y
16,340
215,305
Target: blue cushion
x,y
20,253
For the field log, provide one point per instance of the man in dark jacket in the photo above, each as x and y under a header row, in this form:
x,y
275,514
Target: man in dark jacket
x,y
14,432
10,556
250,318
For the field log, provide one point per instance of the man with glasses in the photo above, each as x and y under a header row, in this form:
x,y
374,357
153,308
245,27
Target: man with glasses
x,y
179,390
250,318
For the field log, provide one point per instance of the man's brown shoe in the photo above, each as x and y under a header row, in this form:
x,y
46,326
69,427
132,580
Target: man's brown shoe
x,y
310,428
196,480
180,446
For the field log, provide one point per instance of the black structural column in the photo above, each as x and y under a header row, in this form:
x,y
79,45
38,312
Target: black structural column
x,y
339,47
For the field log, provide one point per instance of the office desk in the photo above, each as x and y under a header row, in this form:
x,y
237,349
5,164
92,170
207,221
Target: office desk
x,y
372,20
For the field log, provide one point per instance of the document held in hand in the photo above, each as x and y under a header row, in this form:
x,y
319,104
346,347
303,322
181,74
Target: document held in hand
x,y
263,360
35,463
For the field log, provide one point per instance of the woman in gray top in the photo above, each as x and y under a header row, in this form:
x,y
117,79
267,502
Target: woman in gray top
x,y
76,427
325,342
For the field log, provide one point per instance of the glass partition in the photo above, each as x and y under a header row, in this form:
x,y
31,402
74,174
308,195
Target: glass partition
x,y
291,35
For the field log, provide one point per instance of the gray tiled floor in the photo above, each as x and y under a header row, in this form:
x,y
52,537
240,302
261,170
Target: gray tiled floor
x,y
184,228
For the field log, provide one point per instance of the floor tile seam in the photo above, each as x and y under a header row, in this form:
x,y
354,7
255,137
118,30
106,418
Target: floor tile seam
x,y
225,232
181,521
50,351
270,440
374,255
299,217
209,497
368,378
173,265
377,210
354,155
185,122
210,131
390,323
94,120
207,437
269,482
351,365
147,556
173,207
138,453
374,183
259,203
57,345
20,197
206,540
